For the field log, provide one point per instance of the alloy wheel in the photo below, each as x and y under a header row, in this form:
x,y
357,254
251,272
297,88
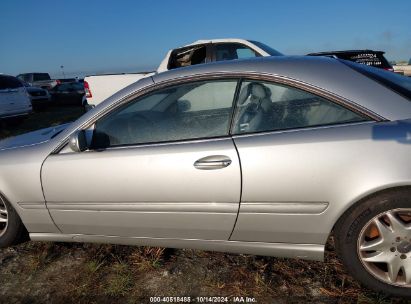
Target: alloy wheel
x,y
3,217
384,247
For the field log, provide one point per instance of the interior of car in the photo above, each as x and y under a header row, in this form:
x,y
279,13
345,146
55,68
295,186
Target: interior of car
x,y
177,114
203,110
187,56
268,107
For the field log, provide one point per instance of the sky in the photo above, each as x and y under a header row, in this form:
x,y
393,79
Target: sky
x,y
102,36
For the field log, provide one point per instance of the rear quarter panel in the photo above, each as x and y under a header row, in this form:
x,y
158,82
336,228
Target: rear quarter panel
x,y
288,177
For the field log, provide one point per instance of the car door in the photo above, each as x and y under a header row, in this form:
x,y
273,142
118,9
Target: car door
x,y
161,166
296,150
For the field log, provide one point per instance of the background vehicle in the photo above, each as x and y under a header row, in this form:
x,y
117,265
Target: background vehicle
x,y
14,99
41,80
100,87
367,57
227,144
63,80
68,93
404,68
205,51
39,97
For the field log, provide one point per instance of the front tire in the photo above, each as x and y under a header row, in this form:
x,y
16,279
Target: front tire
x,y
373,239
12,230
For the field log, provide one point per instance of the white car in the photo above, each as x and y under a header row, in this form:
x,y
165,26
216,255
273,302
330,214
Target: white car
x,y
100,87
404,69
14,99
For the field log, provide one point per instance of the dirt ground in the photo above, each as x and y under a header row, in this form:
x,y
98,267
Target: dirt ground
x,y
37,272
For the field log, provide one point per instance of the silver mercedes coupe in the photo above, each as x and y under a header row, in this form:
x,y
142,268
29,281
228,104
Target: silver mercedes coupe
x,y
267,156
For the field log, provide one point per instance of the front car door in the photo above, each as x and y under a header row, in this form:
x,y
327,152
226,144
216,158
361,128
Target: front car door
x,y
160,166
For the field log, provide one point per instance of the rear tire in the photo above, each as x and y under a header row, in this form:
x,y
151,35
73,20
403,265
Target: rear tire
x,y
12,231
372,248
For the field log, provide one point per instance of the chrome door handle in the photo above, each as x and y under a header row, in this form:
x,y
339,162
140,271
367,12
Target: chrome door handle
x,y
212,162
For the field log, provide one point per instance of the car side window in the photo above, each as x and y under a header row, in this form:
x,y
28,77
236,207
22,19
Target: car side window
x,y
187,56
230,51
190,111
263,106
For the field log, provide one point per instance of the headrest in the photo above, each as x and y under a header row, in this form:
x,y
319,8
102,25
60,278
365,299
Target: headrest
x,y
254,91
258,90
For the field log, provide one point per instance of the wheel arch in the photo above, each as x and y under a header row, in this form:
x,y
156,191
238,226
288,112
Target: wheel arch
x,y
365,197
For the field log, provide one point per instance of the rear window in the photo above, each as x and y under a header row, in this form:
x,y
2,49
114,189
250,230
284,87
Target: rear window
x,y
9,82
41,76
397,83
24,77
77,86
187,56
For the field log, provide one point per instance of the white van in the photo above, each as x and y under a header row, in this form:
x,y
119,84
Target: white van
x,y
14,99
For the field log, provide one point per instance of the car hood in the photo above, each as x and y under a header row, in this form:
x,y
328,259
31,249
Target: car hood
x,y
31,138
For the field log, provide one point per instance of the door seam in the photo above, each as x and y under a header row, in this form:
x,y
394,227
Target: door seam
x,y
241,189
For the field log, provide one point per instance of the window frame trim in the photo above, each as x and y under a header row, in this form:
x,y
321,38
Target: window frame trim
x,y
221,76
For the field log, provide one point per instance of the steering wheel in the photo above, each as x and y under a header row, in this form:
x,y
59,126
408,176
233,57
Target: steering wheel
x,y
140,128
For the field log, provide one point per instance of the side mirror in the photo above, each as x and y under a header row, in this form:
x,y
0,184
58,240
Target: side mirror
x,y
77,141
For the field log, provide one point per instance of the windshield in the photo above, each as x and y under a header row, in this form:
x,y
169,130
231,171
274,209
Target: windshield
x,y
266,48
396,82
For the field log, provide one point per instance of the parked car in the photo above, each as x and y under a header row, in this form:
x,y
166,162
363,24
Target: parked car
x,y
63,80
14,99
41,80
68,93
40,98
100,87
404,68
264,156
367,57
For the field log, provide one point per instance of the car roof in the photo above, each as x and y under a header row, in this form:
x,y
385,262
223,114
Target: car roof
x,y
203,41
329,74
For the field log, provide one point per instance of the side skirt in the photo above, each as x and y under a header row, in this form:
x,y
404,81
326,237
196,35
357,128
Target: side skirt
x,y
302,251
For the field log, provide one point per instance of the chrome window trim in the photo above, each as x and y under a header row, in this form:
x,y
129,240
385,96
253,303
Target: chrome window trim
x,y
239,76
309,128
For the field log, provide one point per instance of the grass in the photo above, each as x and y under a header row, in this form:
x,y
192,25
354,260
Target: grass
x,y
147,258
120,281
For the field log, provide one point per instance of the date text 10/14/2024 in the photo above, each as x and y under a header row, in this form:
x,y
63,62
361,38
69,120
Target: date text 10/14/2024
x,y
203,299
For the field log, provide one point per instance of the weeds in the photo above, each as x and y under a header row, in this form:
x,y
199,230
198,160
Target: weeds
x,y
120,281
147,258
